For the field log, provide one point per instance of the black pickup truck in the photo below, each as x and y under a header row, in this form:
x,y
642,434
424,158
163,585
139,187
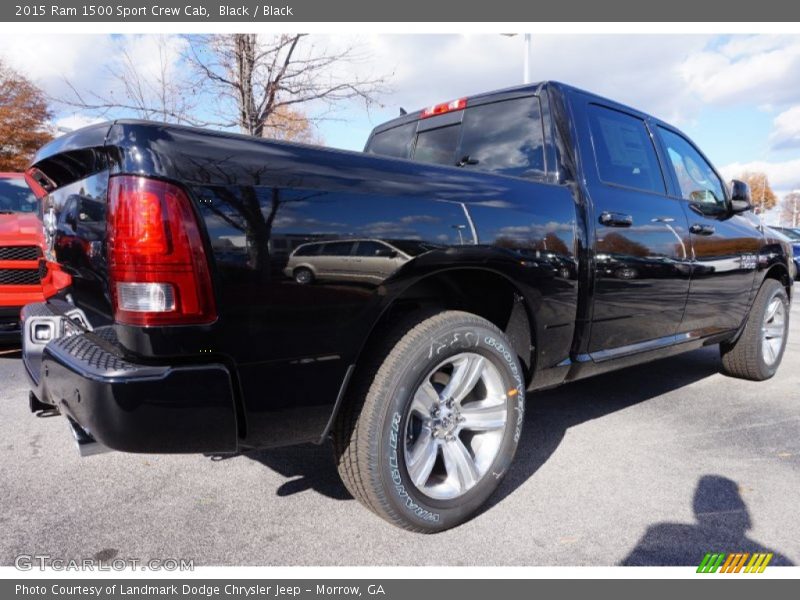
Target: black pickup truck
x,y
233,293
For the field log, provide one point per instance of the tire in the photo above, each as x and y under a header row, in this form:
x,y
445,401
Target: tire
x,y
384,419
750,356
303,276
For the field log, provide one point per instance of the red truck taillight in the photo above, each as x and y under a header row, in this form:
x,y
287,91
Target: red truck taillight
x,y
158,271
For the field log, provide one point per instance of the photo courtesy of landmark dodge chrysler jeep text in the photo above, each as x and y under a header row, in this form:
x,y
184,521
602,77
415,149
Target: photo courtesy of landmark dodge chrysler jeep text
x,y
476,251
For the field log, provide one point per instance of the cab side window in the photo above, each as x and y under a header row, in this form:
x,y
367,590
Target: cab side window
x,y
624,151
697,181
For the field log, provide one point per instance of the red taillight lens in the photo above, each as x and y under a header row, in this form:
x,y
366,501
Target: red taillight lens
x,y
444,107
158,269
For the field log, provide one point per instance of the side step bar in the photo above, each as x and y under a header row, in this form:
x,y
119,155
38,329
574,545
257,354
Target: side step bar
x,y
84,442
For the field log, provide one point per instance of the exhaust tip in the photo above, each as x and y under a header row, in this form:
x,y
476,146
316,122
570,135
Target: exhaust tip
x,y
84,442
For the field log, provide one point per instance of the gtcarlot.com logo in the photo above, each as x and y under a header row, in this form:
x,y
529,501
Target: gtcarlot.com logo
x,y
28,562
740,562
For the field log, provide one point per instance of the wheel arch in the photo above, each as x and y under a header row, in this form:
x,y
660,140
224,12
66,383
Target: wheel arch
x,y
780,273
471,289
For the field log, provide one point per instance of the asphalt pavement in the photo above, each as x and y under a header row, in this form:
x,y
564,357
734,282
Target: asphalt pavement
x,y
655,464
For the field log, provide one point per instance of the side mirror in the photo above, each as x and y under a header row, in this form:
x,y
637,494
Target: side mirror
x,y
386,253
740,197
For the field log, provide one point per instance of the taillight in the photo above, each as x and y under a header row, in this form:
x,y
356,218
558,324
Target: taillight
x,y
158,269
444,107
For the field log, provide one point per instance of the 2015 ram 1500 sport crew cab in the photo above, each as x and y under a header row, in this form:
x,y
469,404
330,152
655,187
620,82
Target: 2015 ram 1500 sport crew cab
x,y
241,293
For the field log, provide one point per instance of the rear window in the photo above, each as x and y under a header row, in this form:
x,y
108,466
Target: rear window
x,y
503,137
624,151
16,197
437,146
395,142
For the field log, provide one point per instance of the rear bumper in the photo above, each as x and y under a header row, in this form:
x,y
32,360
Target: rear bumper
x,y
124,405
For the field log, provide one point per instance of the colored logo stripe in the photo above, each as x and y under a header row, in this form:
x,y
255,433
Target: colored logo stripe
x,y
733,563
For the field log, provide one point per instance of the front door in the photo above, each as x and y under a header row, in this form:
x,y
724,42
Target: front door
x,y
725,247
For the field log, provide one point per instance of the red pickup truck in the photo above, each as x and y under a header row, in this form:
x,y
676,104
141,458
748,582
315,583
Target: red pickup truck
x,y
25,273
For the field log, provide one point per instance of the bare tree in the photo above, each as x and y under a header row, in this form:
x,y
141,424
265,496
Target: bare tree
x,y
790,209
259,80
154,90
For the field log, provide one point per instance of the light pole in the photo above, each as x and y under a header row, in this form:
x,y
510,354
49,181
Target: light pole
x,y
526,60
459,229
526,56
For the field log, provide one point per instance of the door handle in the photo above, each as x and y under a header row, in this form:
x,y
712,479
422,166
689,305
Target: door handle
x,y
700,229
615,219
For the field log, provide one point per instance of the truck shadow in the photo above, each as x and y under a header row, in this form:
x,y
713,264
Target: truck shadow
x,y
721,524
549,415
307,467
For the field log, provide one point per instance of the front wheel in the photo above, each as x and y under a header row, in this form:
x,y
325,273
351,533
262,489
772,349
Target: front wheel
x,y
758,351
433,424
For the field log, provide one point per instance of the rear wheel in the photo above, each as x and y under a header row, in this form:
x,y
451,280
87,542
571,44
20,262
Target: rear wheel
x,y
433,423
758,352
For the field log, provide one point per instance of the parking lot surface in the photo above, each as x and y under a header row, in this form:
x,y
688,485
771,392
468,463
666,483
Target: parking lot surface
x,y
656,464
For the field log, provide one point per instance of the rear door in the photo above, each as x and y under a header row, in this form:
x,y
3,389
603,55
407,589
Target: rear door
x,y
641,256
335,261
725,247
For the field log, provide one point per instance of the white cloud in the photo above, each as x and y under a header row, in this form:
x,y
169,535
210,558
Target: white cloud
x,y
634,69
88,62
50,59
73,121
757,70
786,129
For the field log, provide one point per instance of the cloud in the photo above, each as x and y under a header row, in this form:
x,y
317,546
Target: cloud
x,y
88,62
786,129
758,70
70,122
783,176
634,69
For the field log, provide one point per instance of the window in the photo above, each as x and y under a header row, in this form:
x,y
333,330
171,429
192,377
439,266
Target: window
x,y
307,250
504,137
369,248
624,151
395,142
337,249
437,146
16,196
697,181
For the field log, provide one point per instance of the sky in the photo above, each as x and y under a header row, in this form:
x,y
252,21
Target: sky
x,y
736,96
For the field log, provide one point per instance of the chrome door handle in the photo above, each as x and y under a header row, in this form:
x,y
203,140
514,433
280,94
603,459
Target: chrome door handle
x,y
700,229
615,219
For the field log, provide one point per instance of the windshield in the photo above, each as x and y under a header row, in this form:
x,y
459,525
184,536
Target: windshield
x,y
16,197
